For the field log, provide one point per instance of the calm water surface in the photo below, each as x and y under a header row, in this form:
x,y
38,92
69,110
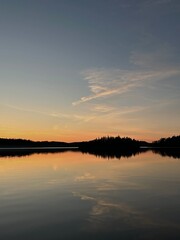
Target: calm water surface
x,y
71,195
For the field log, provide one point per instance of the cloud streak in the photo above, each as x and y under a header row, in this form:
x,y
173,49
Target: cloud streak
x,y
102,108
58,115
50,114
107,83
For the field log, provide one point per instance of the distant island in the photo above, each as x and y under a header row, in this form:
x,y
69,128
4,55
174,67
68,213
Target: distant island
x,y
167,142
117,147
106,147
23,143
96,144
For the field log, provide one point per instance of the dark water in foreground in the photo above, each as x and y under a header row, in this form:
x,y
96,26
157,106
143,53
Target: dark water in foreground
x,y
70,195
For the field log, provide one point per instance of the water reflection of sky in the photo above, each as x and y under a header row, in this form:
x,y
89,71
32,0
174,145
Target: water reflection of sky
x,y
73,195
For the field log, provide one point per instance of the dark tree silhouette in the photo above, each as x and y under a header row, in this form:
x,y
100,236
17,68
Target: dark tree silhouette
x,y
5,143
109,147
173,141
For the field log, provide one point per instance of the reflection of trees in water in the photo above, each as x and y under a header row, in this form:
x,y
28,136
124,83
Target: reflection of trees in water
x,y
27,152
112,147
117,147
167,152
110,154
107,147
97,152
175,153
104,153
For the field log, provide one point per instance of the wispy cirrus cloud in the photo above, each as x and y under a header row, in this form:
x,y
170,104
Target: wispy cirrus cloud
x,y
23,109
53,114
102,108
106,83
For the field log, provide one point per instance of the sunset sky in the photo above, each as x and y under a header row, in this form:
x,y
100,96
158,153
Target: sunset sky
x,y
73,70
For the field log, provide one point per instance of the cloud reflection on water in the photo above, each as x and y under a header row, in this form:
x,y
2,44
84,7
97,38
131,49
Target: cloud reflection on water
x,y
104,213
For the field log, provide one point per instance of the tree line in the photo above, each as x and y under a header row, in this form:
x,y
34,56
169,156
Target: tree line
x,y
98,143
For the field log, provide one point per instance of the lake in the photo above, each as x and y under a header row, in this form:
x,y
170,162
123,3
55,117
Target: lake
x,y
71,195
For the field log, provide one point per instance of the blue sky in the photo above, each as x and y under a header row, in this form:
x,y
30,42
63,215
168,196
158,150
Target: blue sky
x,y
74,70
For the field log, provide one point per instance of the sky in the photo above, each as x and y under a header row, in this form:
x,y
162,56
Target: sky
x,y
73,70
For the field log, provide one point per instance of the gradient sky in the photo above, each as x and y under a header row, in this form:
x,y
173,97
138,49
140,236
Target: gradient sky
x,y
75,70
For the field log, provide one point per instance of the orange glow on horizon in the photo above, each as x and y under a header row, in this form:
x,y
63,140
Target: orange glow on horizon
x,y
77,135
